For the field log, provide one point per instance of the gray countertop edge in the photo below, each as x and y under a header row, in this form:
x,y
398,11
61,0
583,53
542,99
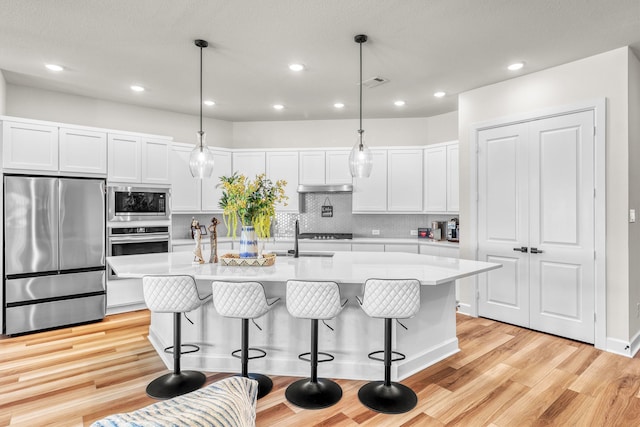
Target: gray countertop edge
x,y
365,240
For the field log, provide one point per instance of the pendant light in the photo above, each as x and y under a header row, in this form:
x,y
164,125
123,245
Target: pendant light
x,y
360,159
201,158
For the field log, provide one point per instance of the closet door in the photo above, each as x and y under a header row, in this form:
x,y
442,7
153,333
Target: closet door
x,y
503,221
562,269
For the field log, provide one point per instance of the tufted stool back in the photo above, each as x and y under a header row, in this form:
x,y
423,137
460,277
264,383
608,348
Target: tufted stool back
x,y
313,300
243,300
170,294
391,299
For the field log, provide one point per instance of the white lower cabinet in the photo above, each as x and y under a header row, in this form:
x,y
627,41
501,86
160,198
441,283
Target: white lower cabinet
x,y
367,247
124,295
437,250
305,245
402,247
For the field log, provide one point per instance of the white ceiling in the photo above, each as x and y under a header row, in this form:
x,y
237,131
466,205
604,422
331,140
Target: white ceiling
x,y
421,46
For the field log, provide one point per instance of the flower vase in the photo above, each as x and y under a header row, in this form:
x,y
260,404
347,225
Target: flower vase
x,y
248,242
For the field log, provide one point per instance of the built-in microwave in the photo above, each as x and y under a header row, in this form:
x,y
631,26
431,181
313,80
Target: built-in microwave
x,y
138,203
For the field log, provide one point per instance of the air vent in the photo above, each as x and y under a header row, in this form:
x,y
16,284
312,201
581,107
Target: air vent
x,y
374,81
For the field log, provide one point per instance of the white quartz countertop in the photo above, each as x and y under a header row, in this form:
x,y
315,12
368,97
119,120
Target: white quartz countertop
x,y
342,267
374,240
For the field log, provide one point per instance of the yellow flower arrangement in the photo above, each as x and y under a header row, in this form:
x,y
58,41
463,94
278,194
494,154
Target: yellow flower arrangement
x,y
251,202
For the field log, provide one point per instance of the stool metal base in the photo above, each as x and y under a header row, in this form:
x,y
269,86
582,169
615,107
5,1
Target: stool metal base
x,y
264,384
395,398
313,395
172,384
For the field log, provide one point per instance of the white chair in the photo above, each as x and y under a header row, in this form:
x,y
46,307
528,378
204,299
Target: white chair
x,y
174,294
389,299
245,300
315,301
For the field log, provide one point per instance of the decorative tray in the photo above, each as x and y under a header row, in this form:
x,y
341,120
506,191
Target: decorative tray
x,y
236,261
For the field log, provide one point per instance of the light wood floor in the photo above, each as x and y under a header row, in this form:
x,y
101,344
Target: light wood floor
x,y
503,376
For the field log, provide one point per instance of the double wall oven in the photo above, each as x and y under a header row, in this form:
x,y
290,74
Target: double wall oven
x,y
138,220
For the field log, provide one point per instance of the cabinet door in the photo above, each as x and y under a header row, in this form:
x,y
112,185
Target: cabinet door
x,y
370,194
337,167
284,165
211,193
429,250
367,247
249,163
413,249
405,180
155,161
312,167
29,146
124,158
435,179
185,189
452,178
83,151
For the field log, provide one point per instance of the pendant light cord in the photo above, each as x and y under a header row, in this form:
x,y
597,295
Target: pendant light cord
x,y
360,131
201,98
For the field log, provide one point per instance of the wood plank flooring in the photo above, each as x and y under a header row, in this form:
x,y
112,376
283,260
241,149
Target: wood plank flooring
x,y
503,376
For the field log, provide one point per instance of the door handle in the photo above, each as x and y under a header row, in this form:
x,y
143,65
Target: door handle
x,y
522,249
536,251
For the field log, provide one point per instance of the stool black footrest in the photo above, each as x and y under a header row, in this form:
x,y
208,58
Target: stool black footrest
x,y
399,355
193,347
238,353
307,357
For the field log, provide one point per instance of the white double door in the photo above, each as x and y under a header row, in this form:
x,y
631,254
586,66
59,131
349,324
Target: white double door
x,y
536,218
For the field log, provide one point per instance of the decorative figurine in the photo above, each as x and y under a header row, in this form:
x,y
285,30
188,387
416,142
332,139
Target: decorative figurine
x,y
197,236
213,237
194,225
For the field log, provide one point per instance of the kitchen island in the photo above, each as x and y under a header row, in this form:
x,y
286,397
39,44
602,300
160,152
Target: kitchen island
x,y
431,335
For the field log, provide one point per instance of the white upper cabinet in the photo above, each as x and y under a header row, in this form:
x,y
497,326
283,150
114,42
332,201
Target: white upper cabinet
x,y
249,163
124,158
83,151
441,178
404,192
155,161
337,167
29,146
312,167
435,179
186,194
453,186
284,165
135,159
211,192
193,195
370,194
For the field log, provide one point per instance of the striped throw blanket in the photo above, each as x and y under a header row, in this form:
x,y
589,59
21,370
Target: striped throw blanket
x,y
230,402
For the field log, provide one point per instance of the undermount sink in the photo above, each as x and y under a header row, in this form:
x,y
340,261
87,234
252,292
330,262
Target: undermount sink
x,y
304,254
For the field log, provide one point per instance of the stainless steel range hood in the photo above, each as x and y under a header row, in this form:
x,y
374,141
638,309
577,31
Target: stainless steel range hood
x,y
326,188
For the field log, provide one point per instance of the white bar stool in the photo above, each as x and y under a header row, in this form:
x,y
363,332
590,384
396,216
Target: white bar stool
x,y
389,299
245,300
174,294
315,301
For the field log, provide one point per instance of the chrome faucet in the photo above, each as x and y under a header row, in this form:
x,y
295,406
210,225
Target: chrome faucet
x,y
295,240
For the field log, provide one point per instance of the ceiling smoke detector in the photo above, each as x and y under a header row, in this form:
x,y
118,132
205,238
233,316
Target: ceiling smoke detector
x,y
374,81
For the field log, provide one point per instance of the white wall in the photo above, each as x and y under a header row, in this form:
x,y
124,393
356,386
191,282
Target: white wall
x,y
342,133
634,193
3,94
603,75
33,103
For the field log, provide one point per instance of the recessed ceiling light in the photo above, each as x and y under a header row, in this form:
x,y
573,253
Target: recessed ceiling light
x,y
439,94
137,88
54,67
399,103
338,105
516,66
296,67
209,103
278,106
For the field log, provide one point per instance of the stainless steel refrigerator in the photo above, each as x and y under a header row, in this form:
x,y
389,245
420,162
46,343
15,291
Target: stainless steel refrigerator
x,y
54,252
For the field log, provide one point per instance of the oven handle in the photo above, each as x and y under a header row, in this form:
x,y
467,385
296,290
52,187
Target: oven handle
x,y
130,239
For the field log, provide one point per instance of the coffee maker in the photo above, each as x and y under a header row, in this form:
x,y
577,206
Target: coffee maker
x,y
452,230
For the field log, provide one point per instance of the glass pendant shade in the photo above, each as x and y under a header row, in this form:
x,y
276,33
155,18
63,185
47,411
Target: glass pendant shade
x,y
360,159
201,159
